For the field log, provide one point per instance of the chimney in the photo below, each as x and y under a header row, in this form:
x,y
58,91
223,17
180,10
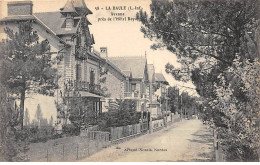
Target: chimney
x,y
103,52
20,8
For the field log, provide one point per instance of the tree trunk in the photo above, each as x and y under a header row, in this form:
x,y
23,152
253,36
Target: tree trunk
x,y
22,107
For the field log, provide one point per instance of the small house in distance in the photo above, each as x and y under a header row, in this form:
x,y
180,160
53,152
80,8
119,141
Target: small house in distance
x,y
130,77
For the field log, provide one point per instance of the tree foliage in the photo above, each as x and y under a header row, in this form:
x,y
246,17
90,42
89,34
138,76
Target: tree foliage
x,y
121,115
12,140
38,114
174,99
240,139
211,38
26,64
26,118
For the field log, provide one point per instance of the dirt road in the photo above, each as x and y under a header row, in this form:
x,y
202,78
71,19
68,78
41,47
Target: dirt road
x,y
188,140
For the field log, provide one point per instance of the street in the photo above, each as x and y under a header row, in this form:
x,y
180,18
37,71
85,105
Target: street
x,y
188,140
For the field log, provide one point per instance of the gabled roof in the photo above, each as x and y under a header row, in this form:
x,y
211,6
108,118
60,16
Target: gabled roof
x,y
116,68
134,64
127,73
159,77
42,18
150,70
68,8
54,21
51,20
80,4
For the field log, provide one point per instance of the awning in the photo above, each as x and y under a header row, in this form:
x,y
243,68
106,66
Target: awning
x,y
88,94
84,94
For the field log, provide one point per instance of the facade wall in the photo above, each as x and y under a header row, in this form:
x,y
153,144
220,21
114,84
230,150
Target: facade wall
x,y
115,83
92,65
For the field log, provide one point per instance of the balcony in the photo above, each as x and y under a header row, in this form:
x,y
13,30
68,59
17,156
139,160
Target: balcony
x,y
84,86
134,95
143,96
128,94
164,93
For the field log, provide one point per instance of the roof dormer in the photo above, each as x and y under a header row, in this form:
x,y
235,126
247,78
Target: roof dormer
x,y
69,9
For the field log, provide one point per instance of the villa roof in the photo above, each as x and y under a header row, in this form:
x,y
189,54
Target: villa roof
x,y
80,6
54,21
116,68
159,77
136,65
68,8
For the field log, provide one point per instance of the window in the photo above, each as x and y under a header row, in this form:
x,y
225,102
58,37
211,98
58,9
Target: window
x,y
133,87
126,86
92,77
163,90
78,72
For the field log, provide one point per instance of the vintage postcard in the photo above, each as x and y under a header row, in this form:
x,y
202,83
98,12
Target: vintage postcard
x,y
129,80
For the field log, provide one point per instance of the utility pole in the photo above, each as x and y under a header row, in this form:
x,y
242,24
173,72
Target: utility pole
x,y
150,110
181,107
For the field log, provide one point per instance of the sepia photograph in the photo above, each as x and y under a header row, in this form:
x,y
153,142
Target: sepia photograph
x,y
129,81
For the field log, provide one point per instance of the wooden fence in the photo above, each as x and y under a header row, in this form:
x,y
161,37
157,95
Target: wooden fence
x,y
95,135
98,135
124,131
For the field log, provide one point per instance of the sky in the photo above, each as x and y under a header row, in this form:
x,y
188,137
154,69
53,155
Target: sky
x,y
122,38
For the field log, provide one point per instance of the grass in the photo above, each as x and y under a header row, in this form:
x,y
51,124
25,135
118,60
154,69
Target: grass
x,y
65,149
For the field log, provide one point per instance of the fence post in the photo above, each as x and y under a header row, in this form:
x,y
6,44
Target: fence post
x,y
77,151
63,152
96,142
88,147
47,155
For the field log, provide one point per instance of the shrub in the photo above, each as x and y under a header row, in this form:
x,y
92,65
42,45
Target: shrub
x,y
71,130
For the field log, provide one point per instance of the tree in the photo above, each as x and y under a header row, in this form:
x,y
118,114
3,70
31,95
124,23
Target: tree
x,y
38,114
81,113
12,140
205,36
26,64
26,118
240,117
174,101
120,113
208,37
43,122
51,121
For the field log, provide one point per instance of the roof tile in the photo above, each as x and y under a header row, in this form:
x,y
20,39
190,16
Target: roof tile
x,y
160,77
136,65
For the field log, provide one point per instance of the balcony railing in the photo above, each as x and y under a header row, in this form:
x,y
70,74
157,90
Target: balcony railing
x,y
83,86
134,95
164,93
128,94
143,96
